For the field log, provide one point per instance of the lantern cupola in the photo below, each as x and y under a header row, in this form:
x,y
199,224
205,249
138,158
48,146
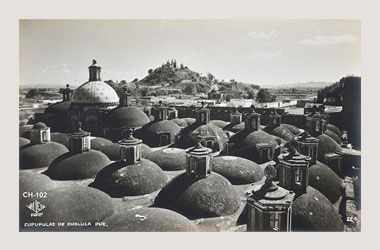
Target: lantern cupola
x,y
316,123
269,207
203,115
67,93
294,170
198,160
307,145
94,72
274,119
160,112
252,122
172,113
40,133
79,140
125,99
130,148
235,117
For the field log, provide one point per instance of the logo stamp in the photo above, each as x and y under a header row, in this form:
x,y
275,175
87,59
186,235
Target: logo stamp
x,y
36,207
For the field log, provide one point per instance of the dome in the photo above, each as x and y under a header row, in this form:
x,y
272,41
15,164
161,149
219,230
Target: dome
x,y
334,136
188,135
24,131
326,181
282,132
131,117
291,128
77,166
334,129
221,124
34,182
180,122
199,198
39,125
61,138
148,133
98,143
113,151
150,220
169,159
312,211
40,155
237,170
73,204
95,92
327,145
23,141
189,120
120,179
59,107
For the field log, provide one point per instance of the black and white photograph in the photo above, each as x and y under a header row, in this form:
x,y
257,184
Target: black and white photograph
x,y
190,125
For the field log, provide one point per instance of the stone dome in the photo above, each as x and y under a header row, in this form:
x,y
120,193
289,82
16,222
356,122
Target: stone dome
x,y
61,138
327,145
237,170
282,132
326,181
189,120
130,116
23,141
291,128
149,131
169,159
334,129
98,143
34,182
40,155
312,211
221,124
150,220
113,151
24,131
59,107
199,198
73,204
77,166
180,122
334,136
39,125
120,179
94,93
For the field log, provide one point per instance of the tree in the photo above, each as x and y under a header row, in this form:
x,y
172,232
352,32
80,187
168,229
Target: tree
x,y
264,96
189,88
32,93
135,80
150,71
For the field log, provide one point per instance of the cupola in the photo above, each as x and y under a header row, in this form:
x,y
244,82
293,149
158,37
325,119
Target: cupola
x,y
316,124
160,112
172,113
269,207
67,93
125,99
274,119
94,72
40,133
80,140
235,117
307,145
130,148
198,160
203,115
252,122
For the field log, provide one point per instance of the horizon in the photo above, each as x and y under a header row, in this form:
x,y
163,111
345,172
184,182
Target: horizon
x,y
261,52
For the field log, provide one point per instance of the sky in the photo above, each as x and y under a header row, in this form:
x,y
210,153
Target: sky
x,y
264,52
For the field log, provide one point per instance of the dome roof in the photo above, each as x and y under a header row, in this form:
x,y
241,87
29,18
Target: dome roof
x,y
34,182
77,166
113,151
150,219
95,92
312,211
73,204
199,198
180,122
334,136
24,131
119,179
98,143
131,117
334,129
40,155
291,128
58,107
169,159
23,141
327,145
189,120
282,132
147,132
221,124
326,181
61,138
237,170
39,125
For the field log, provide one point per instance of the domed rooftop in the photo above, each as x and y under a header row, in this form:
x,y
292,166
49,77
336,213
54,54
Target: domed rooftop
x,y
334,129
59,107
23,141
77,166
312,211
334,136
150,220
199,198
169,159
148,133
237,170
120,179
291,128
282,132
98,143
61,138
327,145
113,151
95,92
189,120
221,124
73,204
130,116
34,182
40,155
24,131
326,181
39,125
180,122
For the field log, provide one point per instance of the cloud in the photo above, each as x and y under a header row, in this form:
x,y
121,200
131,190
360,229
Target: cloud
x,y
266,55
328,40
254,35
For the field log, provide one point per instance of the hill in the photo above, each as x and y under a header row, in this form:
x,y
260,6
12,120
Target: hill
x,y
300,85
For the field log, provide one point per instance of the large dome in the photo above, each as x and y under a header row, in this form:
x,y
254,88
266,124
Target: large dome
x,y
131,117
95,92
